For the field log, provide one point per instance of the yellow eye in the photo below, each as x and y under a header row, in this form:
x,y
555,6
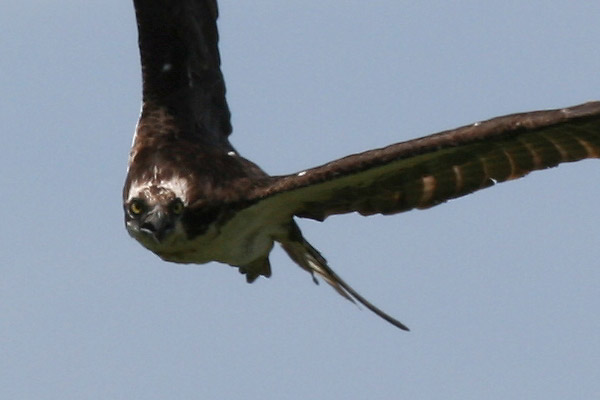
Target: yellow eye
x,y
177,207
136,207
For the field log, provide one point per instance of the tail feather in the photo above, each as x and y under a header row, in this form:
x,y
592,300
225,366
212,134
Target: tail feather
x,y
312,261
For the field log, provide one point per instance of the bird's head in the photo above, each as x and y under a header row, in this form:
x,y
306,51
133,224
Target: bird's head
x,y
153,216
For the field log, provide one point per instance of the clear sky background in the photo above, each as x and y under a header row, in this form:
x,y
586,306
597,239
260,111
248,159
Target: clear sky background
x,y
501,288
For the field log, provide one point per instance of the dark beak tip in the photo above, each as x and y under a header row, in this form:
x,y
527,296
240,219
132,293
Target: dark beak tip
x,y
156,225
158,234
150,233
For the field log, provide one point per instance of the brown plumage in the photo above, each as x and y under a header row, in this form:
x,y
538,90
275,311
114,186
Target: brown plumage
x,y
190,198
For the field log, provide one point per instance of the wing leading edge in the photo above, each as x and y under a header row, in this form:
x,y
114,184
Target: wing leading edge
x,y
424,172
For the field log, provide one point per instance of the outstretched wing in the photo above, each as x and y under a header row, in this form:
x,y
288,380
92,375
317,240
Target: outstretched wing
x,y
424,172
182,80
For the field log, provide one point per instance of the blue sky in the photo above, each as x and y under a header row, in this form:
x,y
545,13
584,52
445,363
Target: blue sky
x,y
500,288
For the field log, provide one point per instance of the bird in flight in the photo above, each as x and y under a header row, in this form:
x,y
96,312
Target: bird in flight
x,y
190,197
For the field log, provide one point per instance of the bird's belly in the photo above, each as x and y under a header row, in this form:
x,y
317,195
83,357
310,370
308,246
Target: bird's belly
x,y
239,242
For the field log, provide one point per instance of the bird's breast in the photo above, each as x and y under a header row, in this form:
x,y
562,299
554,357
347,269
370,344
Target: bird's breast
x,y
242,239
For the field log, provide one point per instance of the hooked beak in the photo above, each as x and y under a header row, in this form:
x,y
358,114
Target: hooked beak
x,y
157,225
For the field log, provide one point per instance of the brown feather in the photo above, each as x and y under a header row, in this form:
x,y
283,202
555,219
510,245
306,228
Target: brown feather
x,y
234,211
424,172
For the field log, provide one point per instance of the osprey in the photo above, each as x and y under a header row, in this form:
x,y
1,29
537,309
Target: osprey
x,y
190,197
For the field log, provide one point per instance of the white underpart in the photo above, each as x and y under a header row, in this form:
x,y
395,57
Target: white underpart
x,y
302,173
249,235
